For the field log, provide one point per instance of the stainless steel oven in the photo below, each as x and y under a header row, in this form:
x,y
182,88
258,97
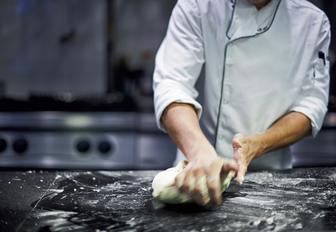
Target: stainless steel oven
x,y
83,141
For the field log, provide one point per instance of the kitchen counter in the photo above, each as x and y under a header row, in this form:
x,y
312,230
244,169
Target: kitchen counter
x,y
299,199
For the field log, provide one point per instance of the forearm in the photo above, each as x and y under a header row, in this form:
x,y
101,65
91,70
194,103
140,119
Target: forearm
x,y
287,130
284,132
182,124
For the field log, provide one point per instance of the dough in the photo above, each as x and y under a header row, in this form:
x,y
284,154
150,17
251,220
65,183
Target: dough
x,y
165,191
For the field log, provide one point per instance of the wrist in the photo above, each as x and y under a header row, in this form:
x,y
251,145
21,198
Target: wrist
x,y
201,151
260,141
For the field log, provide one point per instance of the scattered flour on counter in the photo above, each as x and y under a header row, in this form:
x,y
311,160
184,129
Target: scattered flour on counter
x,y
333,177
111,174
92,202
260,177
298,226
253,201
114,186
56,213
57,220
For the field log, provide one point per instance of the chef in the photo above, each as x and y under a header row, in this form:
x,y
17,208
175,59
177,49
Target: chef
x,y
266,85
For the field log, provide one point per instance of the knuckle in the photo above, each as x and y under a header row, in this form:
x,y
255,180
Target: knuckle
x,y
197,170
190,173
197,190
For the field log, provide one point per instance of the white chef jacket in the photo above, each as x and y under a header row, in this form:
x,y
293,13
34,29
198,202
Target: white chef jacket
x,y
259,65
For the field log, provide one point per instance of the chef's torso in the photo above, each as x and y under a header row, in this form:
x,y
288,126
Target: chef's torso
x,y
255,66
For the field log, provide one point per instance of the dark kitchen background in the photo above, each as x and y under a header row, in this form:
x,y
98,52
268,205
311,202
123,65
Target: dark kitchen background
x,y
76,86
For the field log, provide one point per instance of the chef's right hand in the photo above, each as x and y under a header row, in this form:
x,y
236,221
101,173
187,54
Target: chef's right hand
x,y
210,166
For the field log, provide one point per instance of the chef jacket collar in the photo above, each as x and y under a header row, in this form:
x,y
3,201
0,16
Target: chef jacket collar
x,y
247,21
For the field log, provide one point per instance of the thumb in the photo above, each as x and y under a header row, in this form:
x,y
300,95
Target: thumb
x,y
238,156
241,166
241,174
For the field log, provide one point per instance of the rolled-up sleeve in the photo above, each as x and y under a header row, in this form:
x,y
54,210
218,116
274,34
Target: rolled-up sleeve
x,y
179,60
313,100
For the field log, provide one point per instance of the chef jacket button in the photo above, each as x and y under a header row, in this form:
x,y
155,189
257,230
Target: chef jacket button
x,y
260,29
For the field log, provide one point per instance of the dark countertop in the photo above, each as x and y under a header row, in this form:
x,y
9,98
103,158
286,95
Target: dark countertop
x,y
299,199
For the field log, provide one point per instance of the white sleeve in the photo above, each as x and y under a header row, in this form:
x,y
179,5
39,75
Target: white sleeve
x,y
313,100
179,60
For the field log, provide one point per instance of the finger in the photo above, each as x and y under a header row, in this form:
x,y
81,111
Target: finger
x,y
238,156
241,174
200,193
241,166
213,183
188,183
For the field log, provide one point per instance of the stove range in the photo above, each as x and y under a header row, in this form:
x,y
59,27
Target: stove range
x,y
79,140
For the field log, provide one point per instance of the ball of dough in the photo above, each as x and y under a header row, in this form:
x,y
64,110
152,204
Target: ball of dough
x,y
165,191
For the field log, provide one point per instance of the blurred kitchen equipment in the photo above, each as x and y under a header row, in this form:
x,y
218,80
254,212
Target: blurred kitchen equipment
x,y
319,151
75,79
83,141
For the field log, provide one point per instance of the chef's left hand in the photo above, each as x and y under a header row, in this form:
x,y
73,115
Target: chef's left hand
x,y
246,148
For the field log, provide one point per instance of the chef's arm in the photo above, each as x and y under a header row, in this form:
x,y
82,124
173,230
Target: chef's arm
x,y
287,130
178,65
305,116
307,113
182,124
